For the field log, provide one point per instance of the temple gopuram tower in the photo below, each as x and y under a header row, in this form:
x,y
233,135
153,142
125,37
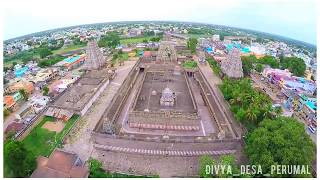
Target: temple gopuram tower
x,y
166,52
232,66
95,59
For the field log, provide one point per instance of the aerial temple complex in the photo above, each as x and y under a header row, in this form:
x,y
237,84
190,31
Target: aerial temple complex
x,y
161,98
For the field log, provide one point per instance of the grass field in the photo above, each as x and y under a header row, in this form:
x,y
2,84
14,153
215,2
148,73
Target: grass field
x,y
42,141
134,40
68,49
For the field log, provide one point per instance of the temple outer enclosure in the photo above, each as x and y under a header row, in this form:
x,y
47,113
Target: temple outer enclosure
x,y
163,116
192,109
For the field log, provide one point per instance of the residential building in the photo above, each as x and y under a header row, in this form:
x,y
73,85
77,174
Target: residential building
x,y
16,86
60,164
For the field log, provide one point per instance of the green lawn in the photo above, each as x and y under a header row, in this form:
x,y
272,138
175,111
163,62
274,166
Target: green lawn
x,y
42,141
134,40
68,49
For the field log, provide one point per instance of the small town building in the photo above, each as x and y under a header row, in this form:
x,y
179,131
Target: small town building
x,y
16,86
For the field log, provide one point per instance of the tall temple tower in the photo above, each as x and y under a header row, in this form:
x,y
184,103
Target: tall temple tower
x,y
95,59
166,52
232,66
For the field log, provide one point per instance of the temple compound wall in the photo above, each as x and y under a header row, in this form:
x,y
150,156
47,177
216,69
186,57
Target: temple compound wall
x,y
157,114
168,118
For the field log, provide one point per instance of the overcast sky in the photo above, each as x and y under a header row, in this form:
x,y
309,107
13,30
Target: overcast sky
x,y
291,18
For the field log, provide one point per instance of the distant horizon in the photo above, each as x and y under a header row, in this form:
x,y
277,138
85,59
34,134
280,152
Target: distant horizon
x,y
295,19
155,21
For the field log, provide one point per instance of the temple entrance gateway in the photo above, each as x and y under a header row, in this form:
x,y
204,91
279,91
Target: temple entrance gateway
x,y
166,52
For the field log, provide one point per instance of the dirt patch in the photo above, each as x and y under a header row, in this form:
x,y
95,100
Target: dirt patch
x,y
54,126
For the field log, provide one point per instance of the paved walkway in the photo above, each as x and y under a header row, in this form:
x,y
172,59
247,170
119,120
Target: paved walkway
x,y
205,117
163,152
219,102
209,74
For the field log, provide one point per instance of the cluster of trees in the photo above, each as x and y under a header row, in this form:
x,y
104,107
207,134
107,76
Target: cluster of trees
x,y
294,64
192,44
45,91
44,52
200,31
282,141
155,39
24,94
18,160
272,139
148,33
249,105
51,61
251,62
110,40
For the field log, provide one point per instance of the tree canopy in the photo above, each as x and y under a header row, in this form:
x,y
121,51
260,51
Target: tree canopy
x,y
249,105
110,40
18,159
251,62
282,140
44,52
247,64
45,90
269,60
24,94
294,64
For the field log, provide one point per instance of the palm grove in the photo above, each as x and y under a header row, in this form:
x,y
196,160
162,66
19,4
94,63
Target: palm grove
x,y
271,139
